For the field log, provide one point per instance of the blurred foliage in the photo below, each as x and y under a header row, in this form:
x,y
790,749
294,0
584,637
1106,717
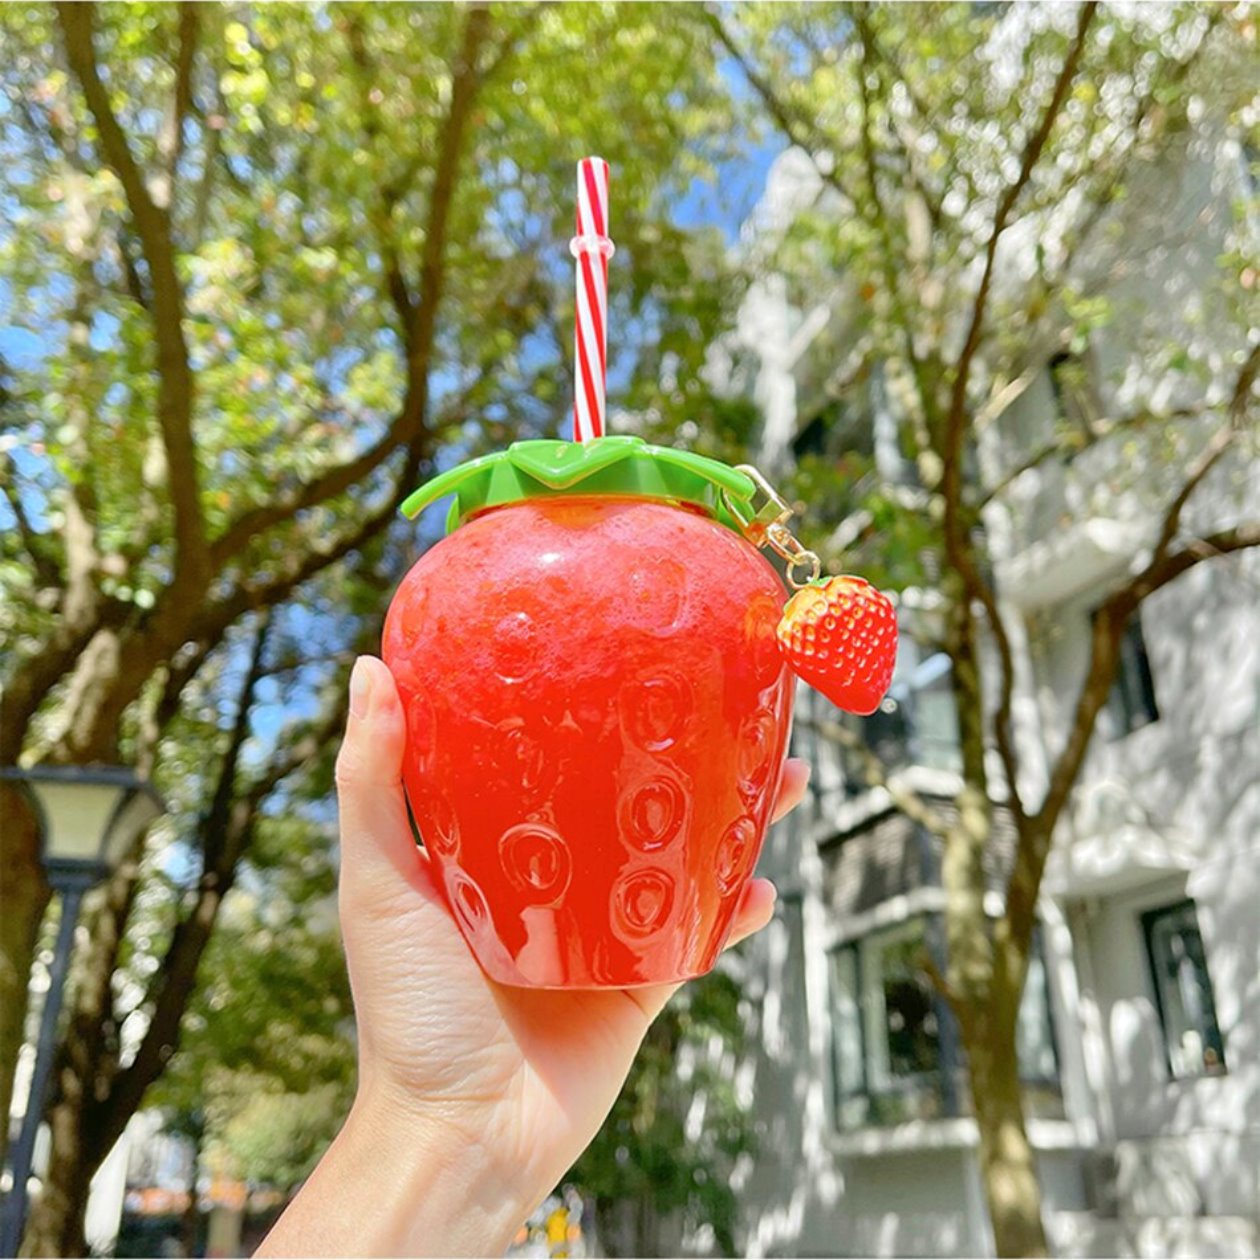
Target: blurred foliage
x,y
266,1064
677,1129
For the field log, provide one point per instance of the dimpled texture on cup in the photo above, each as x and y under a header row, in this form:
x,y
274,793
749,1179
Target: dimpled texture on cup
x,y
597,716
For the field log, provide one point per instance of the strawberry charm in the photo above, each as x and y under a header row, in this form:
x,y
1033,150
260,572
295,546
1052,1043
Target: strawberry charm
x,y
840,636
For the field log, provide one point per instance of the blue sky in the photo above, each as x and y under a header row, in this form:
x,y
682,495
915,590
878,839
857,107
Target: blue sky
x,y
731,199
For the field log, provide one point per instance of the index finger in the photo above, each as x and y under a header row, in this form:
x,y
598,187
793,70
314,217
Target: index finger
x,y
792,787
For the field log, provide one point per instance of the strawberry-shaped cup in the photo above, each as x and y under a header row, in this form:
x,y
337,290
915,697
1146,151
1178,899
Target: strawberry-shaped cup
x,y
597,708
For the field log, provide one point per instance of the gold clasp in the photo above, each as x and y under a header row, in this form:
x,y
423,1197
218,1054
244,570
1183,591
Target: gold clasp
x,y
768,527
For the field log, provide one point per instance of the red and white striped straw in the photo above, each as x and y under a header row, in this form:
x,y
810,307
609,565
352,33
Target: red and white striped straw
x,y
591,250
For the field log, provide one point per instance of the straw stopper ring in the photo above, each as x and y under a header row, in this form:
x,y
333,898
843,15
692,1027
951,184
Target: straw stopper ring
x,y
580,245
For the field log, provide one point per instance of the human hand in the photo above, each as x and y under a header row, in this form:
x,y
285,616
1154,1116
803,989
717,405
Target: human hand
x,y
474,1098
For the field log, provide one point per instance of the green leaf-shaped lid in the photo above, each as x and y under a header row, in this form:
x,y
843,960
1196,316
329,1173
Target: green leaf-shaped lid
x,y
618,466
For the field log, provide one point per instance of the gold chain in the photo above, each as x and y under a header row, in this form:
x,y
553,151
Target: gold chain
x,y
768,527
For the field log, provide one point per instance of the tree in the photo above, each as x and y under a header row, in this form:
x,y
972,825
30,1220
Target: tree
x,y
951,144
665,1155
271,266
266,1065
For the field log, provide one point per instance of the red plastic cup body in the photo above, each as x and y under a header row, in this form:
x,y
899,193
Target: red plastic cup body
x,y
597,715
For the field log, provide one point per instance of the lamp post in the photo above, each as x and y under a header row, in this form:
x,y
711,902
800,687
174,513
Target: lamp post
x,y
89,818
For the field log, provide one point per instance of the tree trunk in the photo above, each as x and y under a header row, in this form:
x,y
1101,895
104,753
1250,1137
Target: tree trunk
x,y
984,986
189,1227
646,1243
25,896
1008,1169
617,1223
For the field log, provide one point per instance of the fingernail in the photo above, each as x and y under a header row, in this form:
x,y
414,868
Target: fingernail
x,y
360,689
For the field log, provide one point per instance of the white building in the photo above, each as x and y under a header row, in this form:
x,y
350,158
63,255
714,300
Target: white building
x,y
1140,1029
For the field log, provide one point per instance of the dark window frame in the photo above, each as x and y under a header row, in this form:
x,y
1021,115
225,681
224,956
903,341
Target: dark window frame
x,y
1037,950
897,731
1150,920
949,1076
903,1082
1075,402
863,1089
1132,702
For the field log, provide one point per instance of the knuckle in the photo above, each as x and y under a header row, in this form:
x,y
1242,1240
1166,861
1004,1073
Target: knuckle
x,y
347,770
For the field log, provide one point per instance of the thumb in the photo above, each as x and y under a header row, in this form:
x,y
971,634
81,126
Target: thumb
x,y
378,851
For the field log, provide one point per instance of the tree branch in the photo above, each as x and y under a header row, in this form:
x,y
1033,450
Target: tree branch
x,y
1010,391
1108,628
214,822
171,139
927,964
875,51
392,191
797,130
879,217
1193,551
1074,443
1221,441
47,570
1036,143
1212,453
183,957
977,587
224,830
161,631
408,426
180,670
214,618
466,82
511,43
175,378
301,752
1164,567
38,671
959,547
213,148
806,134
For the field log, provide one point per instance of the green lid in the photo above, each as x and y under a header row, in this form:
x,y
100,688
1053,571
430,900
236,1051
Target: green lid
x,y
619,465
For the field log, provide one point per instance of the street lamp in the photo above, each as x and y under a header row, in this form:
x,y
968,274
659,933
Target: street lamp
x,y
89,819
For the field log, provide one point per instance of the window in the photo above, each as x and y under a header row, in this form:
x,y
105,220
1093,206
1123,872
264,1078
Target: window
x,y
1034,1034
934,714
834,432
1073,391
1183,991
895,1047
1132,699
917,722
1249,161
886,732
886,1035
851,1102
900,1009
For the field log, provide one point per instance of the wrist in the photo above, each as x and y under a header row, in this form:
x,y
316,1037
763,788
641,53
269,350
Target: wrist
x,y
472,1193
410,1180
